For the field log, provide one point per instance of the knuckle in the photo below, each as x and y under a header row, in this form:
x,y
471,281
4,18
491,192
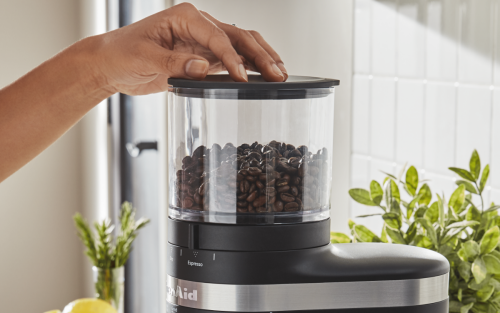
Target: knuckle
x,y
187,6
254,33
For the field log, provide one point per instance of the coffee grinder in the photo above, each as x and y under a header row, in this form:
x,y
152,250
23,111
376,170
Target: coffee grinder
x,y
250,171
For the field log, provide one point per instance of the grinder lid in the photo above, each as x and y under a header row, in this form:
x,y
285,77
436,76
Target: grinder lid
x,y
255,82
224,87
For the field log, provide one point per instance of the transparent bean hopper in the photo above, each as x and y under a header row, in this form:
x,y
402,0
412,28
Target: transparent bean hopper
x,y
249,183
241,154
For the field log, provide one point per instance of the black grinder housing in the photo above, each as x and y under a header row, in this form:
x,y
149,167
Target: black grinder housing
x,y
249,199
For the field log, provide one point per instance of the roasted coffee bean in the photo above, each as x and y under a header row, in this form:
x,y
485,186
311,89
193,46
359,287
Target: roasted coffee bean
x,y
187,202
196,207
301,170
183,187
294,162
286,153
254,163
291,207
242,210
242,204
203,188
239,177
260,201
261,209
281,182
244,165
243,172
251,178
270,191
267,168
294,191
197,198
313,170
199,152
295,181
254,171
290,147
263,177
254,155
259,185
276,175
303,150
270,199
187,161
286,197
252,196
271,183
243,196
244,186
252,188
283,189
251,208
278,206
301,205
295,153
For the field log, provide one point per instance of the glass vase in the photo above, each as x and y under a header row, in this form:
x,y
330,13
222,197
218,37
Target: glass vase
x,y
110,286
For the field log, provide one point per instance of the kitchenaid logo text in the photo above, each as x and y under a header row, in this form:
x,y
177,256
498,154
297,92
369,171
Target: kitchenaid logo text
x,y
194,264
179,293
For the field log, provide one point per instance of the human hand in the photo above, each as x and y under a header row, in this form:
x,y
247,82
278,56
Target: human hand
x,y
180,42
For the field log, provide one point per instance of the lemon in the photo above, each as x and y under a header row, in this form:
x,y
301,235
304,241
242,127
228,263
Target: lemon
x,y
89,306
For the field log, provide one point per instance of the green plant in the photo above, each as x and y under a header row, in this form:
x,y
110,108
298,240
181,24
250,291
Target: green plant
x,y
105,254
465,233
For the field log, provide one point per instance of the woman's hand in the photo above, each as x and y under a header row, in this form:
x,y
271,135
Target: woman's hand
x,y
137,59
181,42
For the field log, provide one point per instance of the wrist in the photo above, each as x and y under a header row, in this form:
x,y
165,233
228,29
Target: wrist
x,y
89,57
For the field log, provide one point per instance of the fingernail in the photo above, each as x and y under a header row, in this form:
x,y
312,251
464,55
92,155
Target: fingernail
x,y
243,72
197,69
277,70
283,70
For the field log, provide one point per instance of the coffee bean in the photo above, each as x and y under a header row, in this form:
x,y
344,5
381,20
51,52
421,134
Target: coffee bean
x,y
283,189
281,182
271,183
197,198
243,196
243,172
242,210
187,202
259,184
291,207
242,204
251,178
251,208
244,186
260,201
294,191
270,191
295,153
252,196
239,177
254,171
286,197
278,206
261,209
252,188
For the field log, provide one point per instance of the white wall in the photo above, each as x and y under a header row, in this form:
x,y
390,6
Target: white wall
x,y
40,255
426,90
314,38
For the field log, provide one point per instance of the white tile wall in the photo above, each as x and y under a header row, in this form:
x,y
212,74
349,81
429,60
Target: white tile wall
x,y
426,90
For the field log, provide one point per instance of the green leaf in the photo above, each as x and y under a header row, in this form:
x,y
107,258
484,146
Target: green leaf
x,y
421,211
432,213
395,191
495,253
457,199
441,205
495,283
475,165
392,220
452,234
479,270
462,224
490,240
492,208
339,238
485,293
426,195
383,236
411,206
473,214
468,186
492,264
465,174
466,308
390,175
362,196
471,249
376,192
463,255
395,236
411,232
464,269
423,242
431,232
484,177
455,306
351,224
363,234
412,180
369,215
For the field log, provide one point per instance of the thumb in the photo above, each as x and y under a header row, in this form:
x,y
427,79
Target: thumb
x,y
180,64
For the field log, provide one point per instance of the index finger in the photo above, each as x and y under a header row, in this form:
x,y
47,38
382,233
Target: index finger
x,y
189,23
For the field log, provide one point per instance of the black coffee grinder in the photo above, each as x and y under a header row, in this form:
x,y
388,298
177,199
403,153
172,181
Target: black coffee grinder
x,y
250,170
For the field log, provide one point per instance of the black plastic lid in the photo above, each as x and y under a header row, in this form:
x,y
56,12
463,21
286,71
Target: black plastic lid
x,y
223,87
255,82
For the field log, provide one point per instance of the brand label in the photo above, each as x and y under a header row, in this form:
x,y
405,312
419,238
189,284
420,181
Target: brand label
x,y
183,294
194,264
